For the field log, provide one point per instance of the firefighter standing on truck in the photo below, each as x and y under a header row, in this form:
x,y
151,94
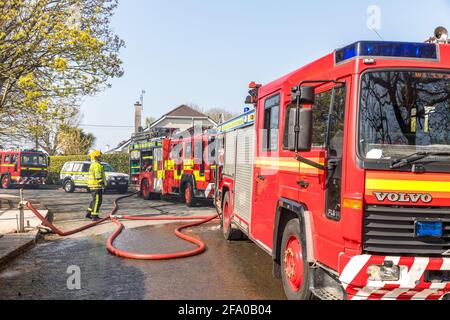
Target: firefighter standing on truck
x,y
96,184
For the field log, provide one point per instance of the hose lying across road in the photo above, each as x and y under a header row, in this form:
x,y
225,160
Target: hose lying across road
x,y
201,247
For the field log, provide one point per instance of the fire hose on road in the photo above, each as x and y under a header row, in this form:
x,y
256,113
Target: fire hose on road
x,y
116,219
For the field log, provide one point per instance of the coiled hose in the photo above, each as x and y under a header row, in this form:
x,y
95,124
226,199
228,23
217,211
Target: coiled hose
x,y
201,246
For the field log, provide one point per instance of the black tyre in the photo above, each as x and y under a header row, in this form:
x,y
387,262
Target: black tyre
x,y
145,190
6,182
189,195
230,232
69,186
295,270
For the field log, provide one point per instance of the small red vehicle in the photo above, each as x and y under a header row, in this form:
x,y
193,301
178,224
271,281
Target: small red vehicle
x,y
23,168
343,176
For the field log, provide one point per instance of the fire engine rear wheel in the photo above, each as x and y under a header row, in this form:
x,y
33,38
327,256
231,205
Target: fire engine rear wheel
x,y
69,186
229,231
189,196
6,182
295,269
145,190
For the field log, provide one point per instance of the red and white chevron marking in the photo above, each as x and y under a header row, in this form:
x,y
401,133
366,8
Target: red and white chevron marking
x,y
412,285
209,192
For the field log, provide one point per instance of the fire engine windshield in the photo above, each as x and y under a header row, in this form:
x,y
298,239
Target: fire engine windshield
x,y
403,112
33,160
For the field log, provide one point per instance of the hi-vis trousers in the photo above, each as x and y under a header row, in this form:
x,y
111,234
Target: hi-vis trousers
x,y
96,203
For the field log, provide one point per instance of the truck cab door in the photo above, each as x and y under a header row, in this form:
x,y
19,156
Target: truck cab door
x,y
15,166
266,173
328,235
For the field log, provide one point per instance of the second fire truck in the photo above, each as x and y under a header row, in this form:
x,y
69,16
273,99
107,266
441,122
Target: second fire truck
x,y
181,166
342,174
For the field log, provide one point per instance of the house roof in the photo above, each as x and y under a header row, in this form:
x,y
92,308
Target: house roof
x,y
185,111
181,112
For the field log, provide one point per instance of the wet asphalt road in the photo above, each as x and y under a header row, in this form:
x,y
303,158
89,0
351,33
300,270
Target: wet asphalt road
x,y
228,270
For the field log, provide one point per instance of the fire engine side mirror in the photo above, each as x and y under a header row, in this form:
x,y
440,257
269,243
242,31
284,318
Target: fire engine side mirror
x,y
307,95
300,129
304,143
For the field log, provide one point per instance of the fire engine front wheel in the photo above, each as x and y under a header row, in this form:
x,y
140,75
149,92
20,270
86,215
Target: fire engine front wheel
x,y
145,190
189,196
294,269
6,182
229,232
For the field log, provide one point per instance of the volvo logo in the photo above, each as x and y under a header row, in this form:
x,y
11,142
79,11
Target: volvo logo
x,y
403,197
446,253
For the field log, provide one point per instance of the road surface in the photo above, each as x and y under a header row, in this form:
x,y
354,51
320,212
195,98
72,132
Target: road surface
x,y
228,270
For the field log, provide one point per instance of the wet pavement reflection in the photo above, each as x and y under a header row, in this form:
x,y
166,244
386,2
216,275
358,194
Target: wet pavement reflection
x,y
228,270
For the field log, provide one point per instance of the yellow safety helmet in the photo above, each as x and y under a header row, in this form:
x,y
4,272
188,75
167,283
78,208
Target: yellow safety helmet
x,y
96,154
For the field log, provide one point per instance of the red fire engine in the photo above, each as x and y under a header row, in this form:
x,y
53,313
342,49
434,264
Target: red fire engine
x,y
343,176
182,167
27,167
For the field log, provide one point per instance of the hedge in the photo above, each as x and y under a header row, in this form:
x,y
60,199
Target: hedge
x,y
119,161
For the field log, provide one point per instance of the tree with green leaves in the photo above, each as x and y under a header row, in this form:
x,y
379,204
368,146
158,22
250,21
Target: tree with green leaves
x,y
52,53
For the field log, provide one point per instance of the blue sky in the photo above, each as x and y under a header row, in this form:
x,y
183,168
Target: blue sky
x,y
206,52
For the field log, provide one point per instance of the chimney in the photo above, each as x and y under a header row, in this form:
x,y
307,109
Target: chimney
x,y
137,117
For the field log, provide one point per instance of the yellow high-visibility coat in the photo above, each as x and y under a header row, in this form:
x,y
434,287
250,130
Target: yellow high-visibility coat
x,y
97,177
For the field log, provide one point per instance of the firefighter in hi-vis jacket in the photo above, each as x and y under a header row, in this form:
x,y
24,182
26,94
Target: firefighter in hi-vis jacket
x,y
96,184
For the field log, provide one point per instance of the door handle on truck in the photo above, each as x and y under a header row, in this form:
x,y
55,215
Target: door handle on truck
x,y
303,184
262,178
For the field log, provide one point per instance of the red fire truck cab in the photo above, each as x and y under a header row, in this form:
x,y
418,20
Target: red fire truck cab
x,y
343,176
23,168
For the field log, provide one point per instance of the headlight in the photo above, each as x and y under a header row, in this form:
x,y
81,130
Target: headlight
x,y
387,272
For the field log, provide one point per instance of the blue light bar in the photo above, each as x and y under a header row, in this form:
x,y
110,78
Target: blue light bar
x,y
429,229
410,50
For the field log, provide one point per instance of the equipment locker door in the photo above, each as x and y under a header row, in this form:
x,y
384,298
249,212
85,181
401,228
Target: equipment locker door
x,y
245,151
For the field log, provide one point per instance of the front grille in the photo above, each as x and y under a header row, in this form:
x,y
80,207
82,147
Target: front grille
x,y
391,231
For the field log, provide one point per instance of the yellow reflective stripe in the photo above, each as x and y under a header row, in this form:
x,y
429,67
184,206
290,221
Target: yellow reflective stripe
x,y
199,177
8,165
97,200
288,165
407,185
